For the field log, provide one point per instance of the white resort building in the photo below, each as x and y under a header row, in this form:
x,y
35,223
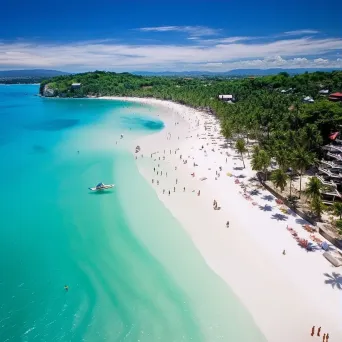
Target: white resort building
x,y
330,170
226,98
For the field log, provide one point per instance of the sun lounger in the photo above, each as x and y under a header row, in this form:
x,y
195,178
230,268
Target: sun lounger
x,y
332,259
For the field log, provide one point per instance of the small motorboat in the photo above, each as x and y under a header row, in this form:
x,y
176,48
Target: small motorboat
x,y
102,186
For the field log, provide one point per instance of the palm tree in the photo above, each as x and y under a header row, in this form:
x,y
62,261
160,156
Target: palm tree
x,y
279,179
255,161
226,129
260,160
317,206
313,188
282,157
302,159
338,209
288,161
241,148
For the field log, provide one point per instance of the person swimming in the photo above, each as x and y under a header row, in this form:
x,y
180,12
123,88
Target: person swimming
x,y
66,288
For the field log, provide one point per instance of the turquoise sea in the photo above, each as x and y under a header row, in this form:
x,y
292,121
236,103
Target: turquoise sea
x,y
132,271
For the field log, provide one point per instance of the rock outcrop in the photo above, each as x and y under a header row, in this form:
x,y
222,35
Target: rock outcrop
x,y
48,92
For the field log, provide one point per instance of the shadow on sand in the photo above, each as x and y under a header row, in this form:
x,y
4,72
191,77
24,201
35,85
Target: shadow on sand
x,y
268,198
279,217
265,207
334,279
301,221
255,192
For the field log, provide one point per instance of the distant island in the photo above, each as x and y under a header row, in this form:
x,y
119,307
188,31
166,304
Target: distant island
x,y
234,72
27,76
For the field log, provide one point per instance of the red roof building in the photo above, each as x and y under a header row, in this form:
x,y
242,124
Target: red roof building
x,y
335,97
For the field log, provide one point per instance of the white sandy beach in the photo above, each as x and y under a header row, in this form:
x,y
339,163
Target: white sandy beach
x,y
285,294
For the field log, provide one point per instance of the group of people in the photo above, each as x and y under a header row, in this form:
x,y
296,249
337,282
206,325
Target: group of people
x,y
161,173
325,336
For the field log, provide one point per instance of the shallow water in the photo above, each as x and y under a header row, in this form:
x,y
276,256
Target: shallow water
x,y
133,273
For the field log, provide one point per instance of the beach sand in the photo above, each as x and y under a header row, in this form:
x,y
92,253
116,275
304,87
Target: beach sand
x,y
285,294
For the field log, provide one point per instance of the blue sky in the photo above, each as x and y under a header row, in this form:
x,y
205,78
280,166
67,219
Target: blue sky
x,y
129,35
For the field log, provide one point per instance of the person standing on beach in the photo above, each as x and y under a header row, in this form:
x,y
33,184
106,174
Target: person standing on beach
x,y
327,338
163,191
323,337
174,189
152,180
313,331
227,224
319,331
184,189
176,181
169,192
157,182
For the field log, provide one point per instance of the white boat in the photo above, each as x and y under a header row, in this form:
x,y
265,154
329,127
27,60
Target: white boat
x,y
102,186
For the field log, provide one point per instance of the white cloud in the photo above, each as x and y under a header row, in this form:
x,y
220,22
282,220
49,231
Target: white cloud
x,y
300,32
213,64
321,61
227,40
192,30
291,63
112,55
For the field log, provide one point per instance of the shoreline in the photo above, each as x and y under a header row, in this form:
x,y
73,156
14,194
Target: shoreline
x,y
285,294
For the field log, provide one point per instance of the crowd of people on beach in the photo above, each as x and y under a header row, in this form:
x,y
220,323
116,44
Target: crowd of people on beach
x,y
164,156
